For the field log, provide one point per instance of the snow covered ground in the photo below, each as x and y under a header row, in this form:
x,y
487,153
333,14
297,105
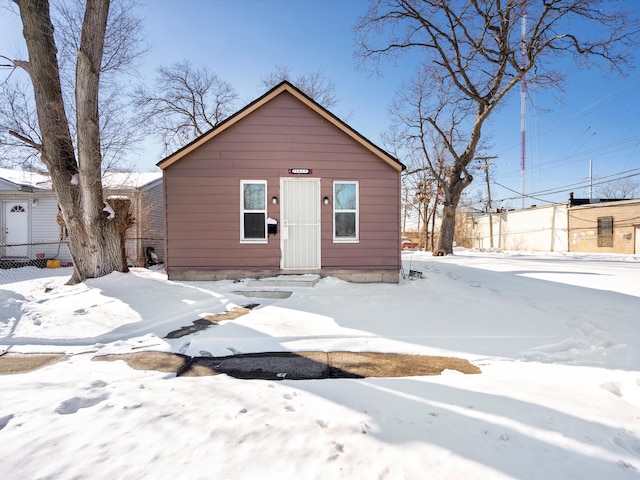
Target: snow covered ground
x,y
555,335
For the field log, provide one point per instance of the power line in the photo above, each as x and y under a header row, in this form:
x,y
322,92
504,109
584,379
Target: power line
x,y
566,188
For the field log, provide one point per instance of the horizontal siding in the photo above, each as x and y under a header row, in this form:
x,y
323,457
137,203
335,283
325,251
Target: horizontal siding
x,y
202,191
216,258
44,228
339,172
44,223
152,224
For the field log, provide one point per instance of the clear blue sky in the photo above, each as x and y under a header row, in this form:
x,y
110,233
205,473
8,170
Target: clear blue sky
x,y
243,40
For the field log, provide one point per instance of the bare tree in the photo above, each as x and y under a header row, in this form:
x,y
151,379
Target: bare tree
x,y
96,226
463,236
474,55
624,188
314,85
20,139
19,131
426,198
123,43
427,195
184,103
123,46
418,178
485,166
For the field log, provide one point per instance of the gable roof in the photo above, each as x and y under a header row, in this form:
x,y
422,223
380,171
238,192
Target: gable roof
x,y
267,97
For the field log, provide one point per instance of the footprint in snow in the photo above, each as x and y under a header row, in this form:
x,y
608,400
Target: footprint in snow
x,y
612,387
628,392
338,448
622,463
627,442
4,421
72,405
364,428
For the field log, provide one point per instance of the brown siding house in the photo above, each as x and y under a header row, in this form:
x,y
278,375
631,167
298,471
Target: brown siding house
x,y
282,187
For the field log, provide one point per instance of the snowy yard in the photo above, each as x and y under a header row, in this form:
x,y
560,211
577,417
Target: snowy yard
x,y
555,335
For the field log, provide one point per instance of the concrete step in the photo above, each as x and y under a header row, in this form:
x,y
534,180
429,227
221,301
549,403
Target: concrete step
x,y
263,293
307,280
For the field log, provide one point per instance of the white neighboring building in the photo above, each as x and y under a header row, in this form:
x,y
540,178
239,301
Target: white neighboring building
x,y
535,229
30,232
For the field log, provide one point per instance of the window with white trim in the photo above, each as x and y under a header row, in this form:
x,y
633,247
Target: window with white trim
x,y
253,211
345,211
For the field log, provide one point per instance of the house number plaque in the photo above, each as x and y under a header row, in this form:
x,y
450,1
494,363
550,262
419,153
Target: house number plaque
x,y
300,171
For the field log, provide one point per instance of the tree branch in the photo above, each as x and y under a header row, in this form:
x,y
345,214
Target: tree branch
x,y
26,140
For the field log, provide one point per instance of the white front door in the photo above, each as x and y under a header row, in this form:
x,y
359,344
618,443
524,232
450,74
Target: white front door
x,y
300,223
16,229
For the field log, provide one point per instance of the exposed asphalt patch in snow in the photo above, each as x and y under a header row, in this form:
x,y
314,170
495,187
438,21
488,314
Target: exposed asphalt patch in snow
x,y
265,366
296,366
206,322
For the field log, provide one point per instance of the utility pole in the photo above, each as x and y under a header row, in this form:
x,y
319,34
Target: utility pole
x,y
523,99
590,180
486,167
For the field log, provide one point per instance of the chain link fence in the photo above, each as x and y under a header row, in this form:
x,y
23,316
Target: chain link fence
x,y
37,254
52,258
25,266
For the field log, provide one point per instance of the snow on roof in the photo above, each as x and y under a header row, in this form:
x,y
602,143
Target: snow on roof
x,y
110,180
129,179
28,179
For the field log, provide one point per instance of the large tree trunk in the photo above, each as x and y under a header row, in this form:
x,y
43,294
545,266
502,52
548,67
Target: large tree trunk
x,y
95,235
447,230
452,190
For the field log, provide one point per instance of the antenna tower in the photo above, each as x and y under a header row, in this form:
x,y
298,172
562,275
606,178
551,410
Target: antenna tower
x,y
523,98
